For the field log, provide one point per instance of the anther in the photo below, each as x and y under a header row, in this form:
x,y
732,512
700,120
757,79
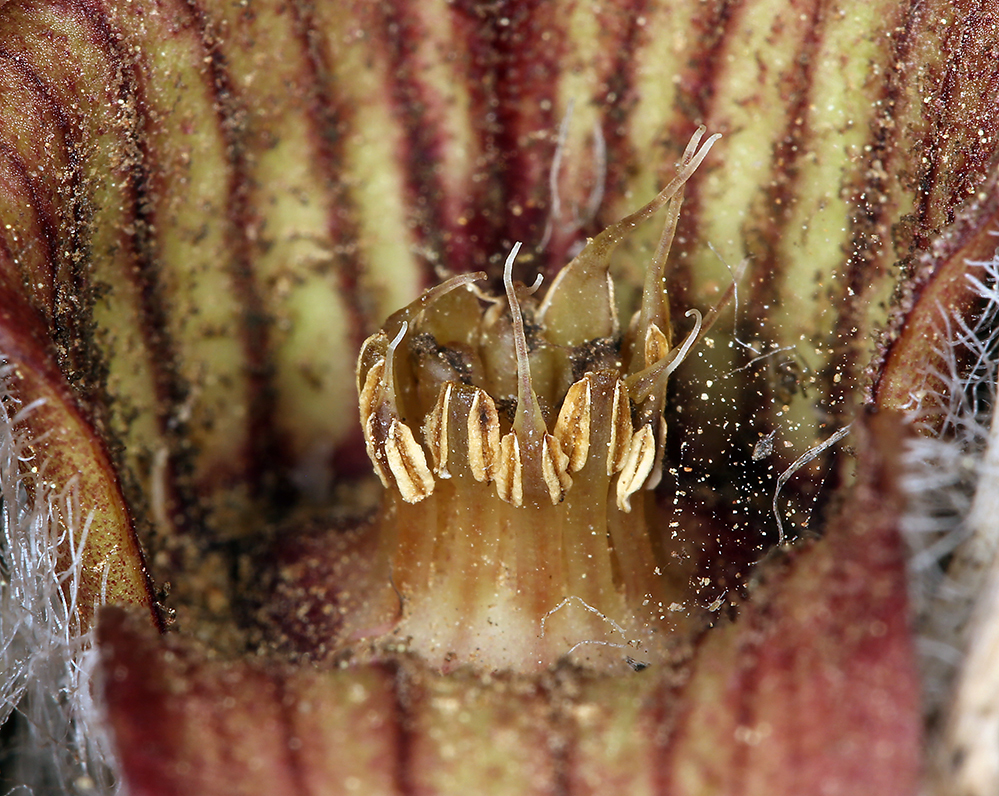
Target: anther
x,y
638,463
411,311
408,463
572,429
621,429
483,437
529,445
437,431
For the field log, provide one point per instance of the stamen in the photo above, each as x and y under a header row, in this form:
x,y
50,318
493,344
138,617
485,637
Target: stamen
x,y
695,139
641,459
616,232
572,429
388,375
691,338
410,312
648,391
580,303
528,419
483,437
408,463
642,385
655,308
484,530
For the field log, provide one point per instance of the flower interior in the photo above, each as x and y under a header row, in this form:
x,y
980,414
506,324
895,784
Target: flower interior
x,y
518,439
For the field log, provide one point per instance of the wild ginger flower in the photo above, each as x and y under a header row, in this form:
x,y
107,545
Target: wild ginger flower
x,y
210,207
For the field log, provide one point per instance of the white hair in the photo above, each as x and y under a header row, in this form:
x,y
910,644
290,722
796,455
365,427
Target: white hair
x,y
952,531
46,659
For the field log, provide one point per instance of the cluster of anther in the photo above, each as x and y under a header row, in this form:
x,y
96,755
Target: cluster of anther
x,y
512,435
623,388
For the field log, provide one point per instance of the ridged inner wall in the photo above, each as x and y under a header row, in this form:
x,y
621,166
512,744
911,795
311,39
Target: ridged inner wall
x,y
212,205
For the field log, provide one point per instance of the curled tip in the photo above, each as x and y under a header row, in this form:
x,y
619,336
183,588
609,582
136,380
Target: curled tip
x,y
645,383
410,311
390,362
519,340
695,142
508,271
695,139
692,338
691,160
398,338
